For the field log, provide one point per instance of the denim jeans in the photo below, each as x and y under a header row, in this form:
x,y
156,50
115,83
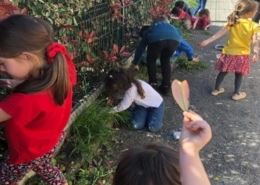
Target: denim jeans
x,y
201,5
152,117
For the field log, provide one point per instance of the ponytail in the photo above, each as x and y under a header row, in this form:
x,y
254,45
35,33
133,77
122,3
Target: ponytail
x,y
233,18
60,79
52,76
242,8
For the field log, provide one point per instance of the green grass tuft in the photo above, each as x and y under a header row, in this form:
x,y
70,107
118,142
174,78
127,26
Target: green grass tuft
x,y
183,63
91,128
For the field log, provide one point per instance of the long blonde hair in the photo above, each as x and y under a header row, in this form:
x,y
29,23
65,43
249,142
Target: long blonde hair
x,y
241,8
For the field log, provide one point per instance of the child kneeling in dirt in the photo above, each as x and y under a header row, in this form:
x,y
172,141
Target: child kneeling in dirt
x,y
203,20
185,19
149,105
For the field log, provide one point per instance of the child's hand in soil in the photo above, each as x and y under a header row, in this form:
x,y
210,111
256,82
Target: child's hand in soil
x,y
136,67
195,134
109,102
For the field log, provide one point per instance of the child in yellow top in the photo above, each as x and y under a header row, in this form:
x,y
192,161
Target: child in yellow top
x,y
235,55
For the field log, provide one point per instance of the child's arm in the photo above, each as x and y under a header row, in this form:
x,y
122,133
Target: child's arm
x,y
174,17
195,23
139,50
4,116
219,34
195,134
208,25
255,47
185,46
127,101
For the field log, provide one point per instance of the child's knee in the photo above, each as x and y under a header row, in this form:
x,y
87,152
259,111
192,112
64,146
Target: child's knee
x,y
137,125
154,128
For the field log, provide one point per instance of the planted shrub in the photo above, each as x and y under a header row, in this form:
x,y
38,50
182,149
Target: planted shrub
x,y
91,129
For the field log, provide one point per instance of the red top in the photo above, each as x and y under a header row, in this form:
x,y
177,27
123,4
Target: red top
x,y
203,22
37,122
183,15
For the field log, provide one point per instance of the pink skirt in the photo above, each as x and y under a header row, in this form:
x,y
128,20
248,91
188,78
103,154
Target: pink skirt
x,y
233,63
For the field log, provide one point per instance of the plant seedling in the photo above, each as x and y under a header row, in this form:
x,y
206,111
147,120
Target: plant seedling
x,y
181,94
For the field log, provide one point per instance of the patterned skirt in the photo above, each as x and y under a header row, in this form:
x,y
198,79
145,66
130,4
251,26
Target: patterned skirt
x,y
233,63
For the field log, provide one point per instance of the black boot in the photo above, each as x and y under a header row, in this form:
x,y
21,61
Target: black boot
x,y
164,90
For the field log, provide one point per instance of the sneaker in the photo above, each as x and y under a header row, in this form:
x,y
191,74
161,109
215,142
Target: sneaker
x,y
217,92
239,96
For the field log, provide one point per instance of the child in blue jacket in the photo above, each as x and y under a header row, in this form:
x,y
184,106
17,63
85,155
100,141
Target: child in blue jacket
x,y
184,46
162,39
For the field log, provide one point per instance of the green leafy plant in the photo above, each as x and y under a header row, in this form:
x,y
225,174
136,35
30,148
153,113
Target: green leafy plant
x,y
91,129
162,7
94,176
192,3
183,63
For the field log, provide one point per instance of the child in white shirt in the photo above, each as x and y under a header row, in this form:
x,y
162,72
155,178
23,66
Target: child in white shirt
x,y
149,105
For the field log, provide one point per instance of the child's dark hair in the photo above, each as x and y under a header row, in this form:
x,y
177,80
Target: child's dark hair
x,y
176,11
121,79
204,12
242,7
152,164
23,33
179,4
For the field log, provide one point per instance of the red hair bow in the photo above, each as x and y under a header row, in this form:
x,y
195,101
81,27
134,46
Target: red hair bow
x,y
53,49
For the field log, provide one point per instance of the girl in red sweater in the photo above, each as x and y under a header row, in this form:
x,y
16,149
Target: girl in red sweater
x,y
37,111
203,20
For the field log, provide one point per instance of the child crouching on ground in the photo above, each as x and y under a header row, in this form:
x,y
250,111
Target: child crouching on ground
x,y
180,15
203,20
149,105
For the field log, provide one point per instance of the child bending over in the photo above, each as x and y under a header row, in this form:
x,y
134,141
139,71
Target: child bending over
x,y
184,46
184,6
37,111
160,164
203,20
235,57
149,105
179,14
161,40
